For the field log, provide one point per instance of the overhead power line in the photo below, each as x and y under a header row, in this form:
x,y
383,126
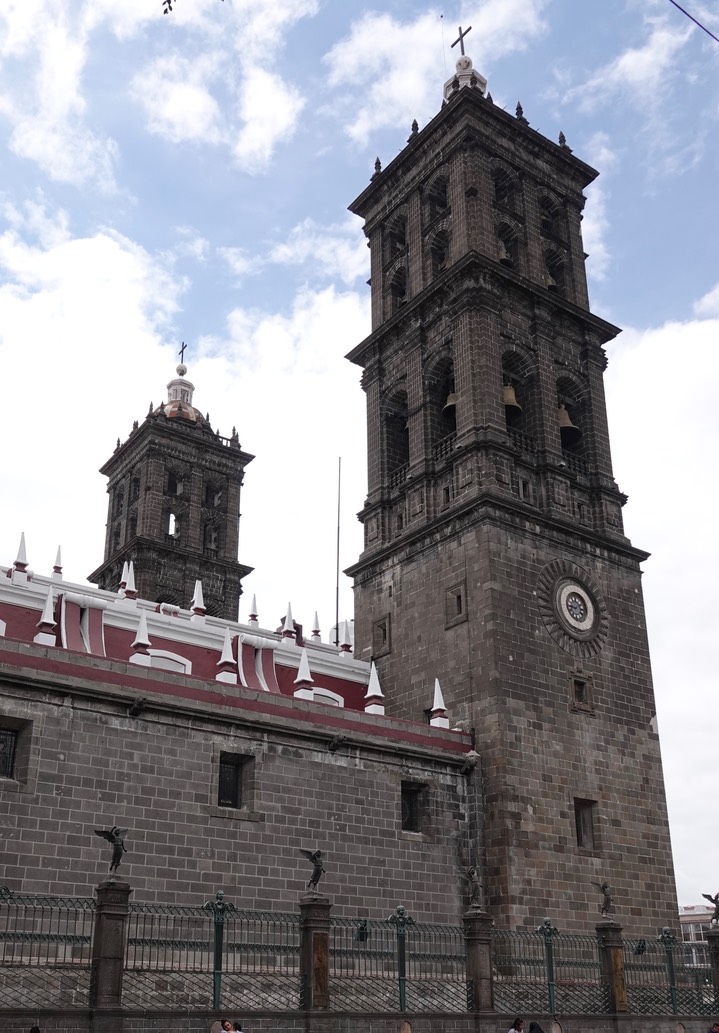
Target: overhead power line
x,y
692,18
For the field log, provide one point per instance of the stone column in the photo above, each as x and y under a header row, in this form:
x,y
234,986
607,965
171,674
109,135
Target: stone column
x,y
108,943
611,952
315,951
713,945
478,934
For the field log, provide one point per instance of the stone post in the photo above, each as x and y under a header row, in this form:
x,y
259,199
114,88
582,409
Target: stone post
x,y
108,943
611,952
713,947
478,936
314,951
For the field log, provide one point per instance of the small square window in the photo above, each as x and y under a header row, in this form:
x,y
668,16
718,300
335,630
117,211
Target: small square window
x,y
585,824
8,746
414,806
381,640
580,691
233,781
455,605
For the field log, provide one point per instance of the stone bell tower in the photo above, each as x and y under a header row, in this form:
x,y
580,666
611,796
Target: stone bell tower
x,y
494,552
174,507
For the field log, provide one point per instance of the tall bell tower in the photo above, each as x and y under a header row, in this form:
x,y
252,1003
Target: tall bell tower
x,y
174,507
494,552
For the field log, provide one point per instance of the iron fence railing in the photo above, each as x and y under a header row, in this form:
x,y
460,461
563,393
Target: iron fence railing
x,y
45,945
665,976
397,964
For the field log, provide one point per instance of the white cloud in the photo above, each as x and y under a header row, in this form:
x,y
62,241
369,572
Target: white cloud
x,y
237,259
387,72
173,90
339,251
268,110
708,305
663,428
595,224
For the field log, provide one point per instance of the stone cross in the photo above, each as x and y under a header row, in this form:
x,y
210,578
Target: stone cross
x,y
460,39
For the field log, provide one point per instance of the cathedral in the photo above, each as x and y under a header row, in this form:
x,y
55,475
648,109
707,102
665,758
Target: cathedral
x,y
493,709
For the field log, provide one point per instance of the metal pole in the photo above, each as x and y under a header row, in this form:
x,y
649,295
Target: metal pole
x,y
548,930
400,920
337,581
219,909
669,941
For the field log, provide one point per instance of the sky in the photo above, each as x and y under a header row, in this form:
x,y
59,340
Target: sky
x,y
185,177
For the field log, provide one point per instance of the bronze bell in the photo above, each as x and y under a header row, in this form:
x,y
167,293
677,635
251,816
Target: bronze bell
x,y
511,405
450,405
569,434
505,256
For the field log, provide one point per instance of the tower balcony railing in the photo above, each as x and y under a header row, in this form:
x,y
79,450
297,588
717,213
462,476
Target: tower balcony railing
x,y
444,447
398,477
575,464
522,442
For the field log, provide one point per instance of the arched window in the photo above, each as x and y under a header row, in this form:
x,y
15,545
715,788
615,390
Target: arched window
x,y
550,218
174,483
441,405
118,502
571,416
555,277
504,189
398,290
397,433
518,398
437,198
439,253
507,247
396,237
211,538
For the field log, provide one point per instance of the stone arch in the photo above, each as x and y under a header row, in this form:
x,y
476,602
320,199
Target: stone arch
x,y
440,396
438,253
395,240
437,196
395,429
508,246
555,276
397,288
572,403
551,217
506,190
520,374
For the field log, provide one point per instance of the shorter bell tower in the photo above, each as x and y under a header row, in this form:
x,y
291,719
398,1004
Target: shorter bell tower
x,y
174,507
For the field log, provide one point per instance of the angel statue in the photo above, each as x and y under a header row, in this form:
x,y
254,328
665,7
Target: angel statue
x,y
471,878
315,858
116,836
714,920
607,906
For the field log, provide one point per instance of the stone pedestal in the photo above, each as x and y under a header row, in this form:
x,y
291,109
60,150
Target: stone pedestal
x,y
478,934
611,953
108,943
315,951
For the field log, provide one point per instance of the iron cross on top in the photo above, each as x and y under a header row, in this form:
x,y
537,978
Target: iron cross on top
x,y
460,39
182,352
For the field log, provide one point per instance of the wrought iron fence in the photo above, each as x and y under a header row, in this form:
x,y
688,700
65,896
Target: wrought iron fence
x,y
211,956
397,964
665,976
545,971
52,934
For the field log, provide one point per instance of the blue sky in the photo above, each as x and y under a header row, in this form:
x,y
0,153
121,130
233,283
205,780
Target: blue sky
x,y
186,177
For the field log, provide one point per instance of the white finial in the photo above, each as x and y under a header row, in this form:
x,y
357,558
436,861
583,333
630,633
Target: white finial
x,y
374,697
198,602
142,639
227,667
345,641
316,637
57,569
130,590
304,676
288,628
21,561
253,613
438,716
123,576
46,624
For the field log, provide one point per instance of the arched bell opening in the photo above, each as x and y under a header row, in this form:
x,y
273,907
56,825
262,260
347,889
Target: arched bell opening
x,y
398,290
551,218
555,277
507,247
505,190
437,197
571,417
396,433
518,394
441,397
396,237
439,254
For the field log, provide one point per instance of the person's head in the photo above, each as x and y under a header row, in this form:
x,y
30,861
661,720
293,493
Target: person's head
x,y
518,1024
534,1027
35,1029
238,1025
714,1029
226,1024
